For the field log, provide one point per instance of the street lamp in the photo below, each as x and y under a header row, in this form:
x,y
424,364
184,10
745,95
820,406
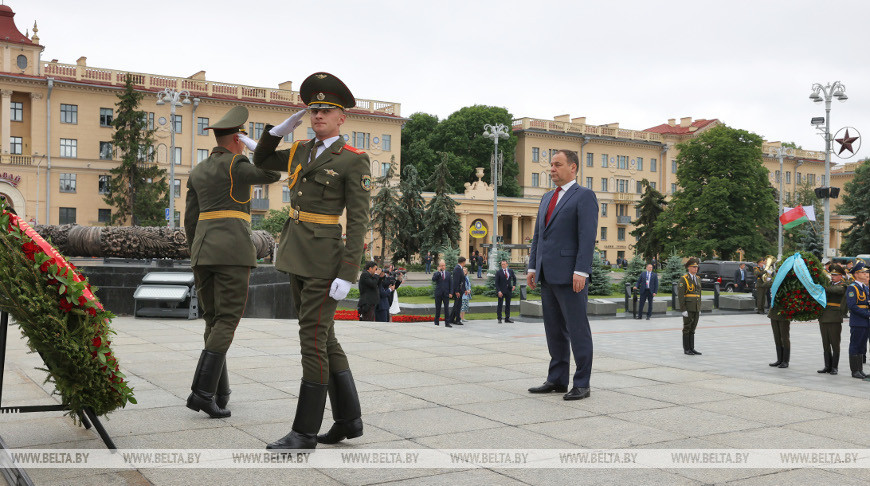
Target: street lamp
x,y
779,152
835,90
494,132
174,98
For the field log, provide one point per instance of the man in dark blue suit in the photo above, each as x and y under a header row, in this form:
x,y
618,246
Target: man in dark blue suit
x,y
441,281
458,290
505,283
647,286
561,260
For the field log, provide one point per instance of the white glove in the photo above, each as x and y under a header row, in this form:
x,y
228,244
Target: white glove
x,y
248,141
685,313
288,125
339,289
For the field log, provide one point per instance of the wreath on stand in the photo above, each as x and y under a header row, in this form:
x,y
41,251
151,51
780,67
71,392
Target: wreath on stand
x,y
799,293
61,318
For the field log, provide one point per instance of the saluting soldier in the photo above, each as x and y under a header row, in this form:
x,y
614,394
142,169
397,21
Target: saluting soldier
x,y
689,296
217,221
326,176
831,319
859,318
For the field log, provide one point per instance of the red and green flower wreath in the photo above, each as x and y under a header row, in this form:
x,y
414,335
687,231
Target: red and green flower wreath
x,y
61,318
792,299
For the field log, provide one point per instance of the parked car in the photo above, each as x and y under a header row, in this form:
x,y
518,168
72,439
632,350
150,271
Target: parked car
x,y
713,271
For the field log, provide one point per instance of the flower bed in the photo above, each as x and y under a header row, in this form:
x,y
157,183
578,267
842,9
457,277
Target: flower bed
x,y
61,318
352,315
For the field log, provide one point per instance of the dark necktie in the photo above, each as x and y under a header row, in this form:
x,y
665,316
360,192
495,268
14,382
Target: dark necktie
x,y
317,146
552,205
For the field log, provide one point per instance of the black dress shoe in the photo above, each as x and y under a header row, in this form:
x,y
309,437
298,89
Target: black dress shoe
x,y
647,317
499,321
833,371
509,321
576,394
548,387
447,324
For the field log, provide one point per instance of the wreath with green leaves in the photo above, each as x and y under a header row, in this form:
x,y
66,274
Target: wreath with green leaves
x,y
62,320
792,300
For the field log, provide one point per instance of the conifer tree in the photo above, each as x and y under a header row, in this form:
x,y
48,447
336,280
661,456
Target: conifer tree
x,y
635,266
409,216
651,205
672,271
599,279
441,225
384,208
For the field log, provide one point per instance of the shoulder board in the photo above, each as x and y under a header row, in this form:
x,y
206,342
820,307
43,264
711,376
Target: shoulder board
x,y
353,149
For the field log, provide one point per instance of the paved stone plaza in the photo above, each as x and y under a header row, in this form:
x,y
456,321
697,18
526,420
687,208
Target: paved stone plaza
x,y
424,387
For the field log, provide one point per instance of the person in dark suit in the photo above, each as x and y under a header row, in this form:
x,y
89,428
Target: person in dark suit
x,y
385,296
505,283
442,281
458,290
740,278
648,286
368,292
561,260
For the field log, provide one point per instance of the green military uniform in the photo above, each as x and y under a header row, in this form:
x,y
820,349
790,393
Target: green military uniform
x,y
689,297
831,322
761,289
217,222
781,329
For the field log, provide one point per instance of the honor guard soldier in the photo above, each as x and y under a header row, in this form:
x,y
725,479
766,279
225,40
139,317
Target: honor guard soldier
x,y
831,319
781,335
326,176
859,318
763,279
689,295
217,222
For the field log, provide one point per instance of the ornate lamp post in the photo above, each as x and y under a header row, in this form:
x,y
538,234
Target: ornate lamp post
x,y
835,90
494,132
779,152
174,98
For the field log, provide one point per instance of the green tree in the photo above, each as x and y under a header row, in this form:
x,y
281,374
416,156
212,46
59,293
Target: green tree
x,y
385,208
672,271
651,205
792,145
856,203
441,225
417,148
274,221
804,195
490,277
812,240
138,190
599,279
635,266
409,216
725,201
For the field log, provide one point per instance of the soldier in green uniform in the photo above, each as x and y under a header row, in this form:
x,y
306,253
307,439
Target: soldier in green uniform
x,y
326,177
831,319
762,285
689,296
781,330
217,222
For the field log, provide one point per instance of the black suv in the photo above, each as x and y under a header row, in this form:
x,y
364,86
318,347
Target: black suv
x,y
723,272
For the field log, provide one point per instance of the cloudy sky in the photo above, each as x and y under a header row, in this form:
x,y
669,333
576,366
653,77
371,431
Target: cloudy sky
x,y
750,64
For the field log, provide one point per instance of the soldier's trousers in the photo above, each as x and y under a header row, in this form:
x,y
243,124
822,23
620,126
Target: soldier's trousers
x,y
831,336
761,292
321,352
690,323
223,292
780,332
858,340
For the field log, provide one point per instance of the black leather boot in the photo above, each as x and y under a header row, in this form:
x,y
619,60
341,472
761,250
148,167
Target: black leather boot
x,y
222,396
778,357
309,416
687,348
827,368
345,409
835,362
786,354
692,344
857,366
205,382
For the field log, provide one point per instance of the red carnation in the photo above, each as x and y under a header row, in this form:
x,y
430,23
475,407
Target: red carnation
x,y
45,265
82,300
65,305
96,342
92,311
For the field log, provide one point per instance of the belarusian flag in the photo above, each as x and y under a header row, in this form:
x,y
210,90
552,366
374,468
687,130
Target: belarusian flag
x,y
793,217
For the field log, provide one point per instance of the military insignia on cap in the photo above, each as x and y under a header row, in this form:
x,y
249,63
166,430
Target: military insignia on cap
x,y
331,172
366,182
321,96
320,76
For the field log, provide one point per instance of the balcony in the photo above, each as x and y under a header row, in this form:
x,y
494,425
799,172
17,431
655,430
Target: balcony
x,y
623,220
584,129
16,159
259,204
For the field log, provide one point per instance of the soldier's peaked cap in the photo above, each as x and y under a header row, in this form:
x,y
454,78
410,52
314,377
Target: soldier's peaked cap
x,y
692,262
859,267
324,90
232,122
838,270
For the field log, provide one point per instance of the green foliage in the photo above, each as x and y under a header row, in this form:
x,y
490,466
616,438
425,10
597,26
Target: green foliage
x,y
409,216
408,291
353,293
804,195
274,221
792,145
385,208
599,280
812,240
635,266
856,203
450,256
441,227
490,276
725,201
649,241
137,187
673,270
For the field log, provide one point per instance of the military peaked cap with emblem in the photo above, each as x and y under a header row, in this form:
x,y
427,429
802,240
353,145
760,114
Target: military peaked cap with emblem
x,y
859,267
324,90
232,122
693,262
838,270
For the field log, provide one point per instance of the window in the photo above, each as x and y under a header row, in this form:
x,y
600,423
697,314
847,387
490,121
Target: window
x,y
69,147
67,216
620,234
289,137
151,120
622,209
639,187
673,167
604,160
788,177
385,168
603,233
106,150
636,213
67,182
588,183
673,188
17,111
106,117
778,176
104,215
257,219
652,184
258,131
604,209
536,179
797,178
621,185
361,140
15,145
536,154
310,134
387,143
177,187
285,194
653,165
201,123
69,113
201,154
811,178
822,179
603,184
178,123
177,155
622,162
553,153
640,163
590,159
103,185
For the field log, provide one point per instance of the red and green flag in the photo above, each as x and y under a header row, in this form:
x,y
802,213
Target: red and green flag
x,y
793,217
